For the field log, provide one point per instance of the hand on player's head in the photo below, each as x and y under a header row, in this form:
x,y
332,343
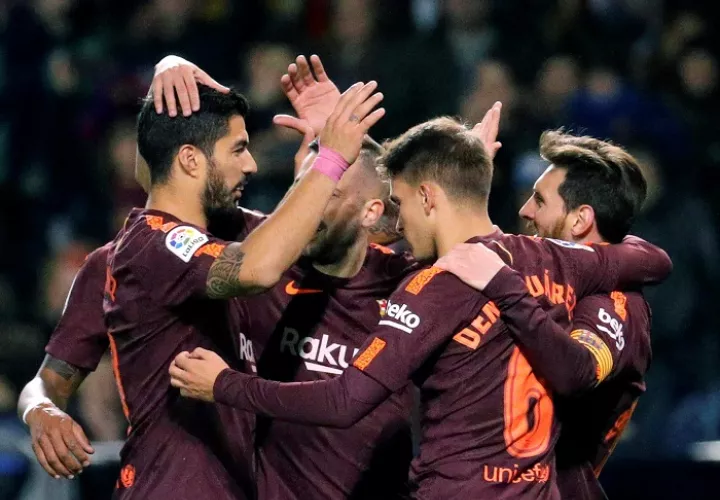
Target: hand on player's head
x,y
474,263
312,97
173,75
353,116
487,130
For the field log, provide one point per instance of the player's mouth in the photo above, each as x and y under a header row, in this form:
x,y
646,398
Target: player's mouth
x,y
237,191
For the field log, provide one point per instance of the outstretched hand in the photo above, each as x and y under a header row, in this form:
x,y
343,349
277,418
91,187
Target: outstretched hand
x,y
351,119
474,263
313,97
487,130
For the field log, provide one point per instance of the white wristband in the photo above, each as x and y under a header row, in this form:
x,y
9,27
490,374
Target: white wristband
x,y
34,403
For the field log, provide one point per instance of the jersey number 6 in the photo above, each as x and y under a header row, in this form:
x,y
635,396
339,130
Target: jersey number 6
x,y
528,410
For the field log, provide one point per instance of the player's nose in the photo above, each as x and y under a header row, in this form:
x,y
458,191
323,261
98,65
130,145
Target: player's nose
x,y
250,167
527,211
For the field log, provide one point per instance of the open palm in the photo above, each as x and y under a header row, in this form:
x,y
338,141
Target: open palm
x,y
313,98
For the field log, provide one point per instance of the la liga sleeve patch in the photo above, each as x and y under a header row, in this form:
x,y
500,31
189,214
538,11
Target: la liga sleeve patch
x,y
184,241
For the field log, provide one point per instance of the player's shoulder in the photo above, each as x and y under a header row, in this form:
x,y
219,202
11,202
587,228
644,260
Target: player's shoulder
x,y
154,234
435,284
617,314
520,241
252,218
385,262
98,257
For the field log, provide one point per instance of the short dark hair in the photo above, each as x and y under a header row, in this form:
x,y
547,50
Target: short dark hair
x,y
600,174
442,150
160,136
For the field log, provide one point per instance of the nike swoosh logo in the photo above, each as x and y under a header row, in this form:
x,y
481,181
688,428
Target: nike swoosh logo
x,y
291,289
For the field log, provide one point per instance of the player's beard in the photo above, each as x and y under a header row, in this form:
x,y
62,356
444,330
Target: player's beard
x,y
330,245
217,199
555,231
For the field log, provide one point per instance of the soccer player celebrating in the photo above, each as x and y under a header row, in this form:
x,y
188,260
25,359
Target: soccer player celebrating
x,y
165,267
590,193
488,425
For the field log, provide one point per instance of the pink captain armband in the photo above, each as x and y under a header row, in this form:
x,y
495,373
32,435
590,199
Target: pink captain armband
x,y
330,163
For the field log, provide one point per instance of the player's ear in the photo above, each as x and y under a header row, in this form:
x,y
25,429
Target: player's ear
x,y
191,160
427,197
372,212
584,221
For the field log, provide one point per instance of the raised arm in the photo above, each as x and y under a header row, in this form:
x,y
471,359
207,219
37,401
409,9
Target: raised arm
x,y
257,263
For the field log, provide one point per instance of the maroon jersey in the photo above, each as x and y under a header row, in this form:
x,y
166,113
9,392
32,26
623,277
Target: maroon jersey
x,y
156,307
593,422
478,394
488,424
309,327
80,337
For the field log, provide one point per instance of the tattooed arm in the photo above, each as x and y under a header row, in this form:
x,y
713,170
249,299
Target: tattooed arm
x,y
59,443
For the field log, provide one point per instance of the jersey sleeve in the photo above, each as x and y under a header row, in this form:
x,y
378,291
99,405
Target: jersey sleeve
x,y
404,339
569,363
594,268
421,316
603,323
174,265
80,336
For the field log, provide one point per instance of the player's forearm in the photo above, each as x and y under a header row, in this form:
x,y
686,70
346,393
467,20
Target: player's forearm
x,y
57,381
567,365
259,261
340,402
641,262
632,264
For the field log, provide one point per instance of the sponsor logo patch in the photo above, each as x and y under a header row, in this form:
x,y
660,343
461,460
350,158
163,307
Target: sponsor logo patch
x,y
612,328
184,241
292,289
400,317
320,355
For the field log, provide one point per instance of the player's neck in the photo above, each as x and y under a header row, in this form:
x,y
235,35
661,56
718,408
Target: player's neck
x,y
460,226
166,199
593,237
350,264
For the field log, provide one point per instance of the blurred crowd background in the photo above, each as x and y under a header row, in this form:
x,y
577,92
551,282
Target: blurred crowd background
x,y
643,73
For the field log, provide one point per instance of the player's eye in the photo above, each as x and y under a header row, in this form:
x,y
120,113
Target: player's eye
x,y
538,199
